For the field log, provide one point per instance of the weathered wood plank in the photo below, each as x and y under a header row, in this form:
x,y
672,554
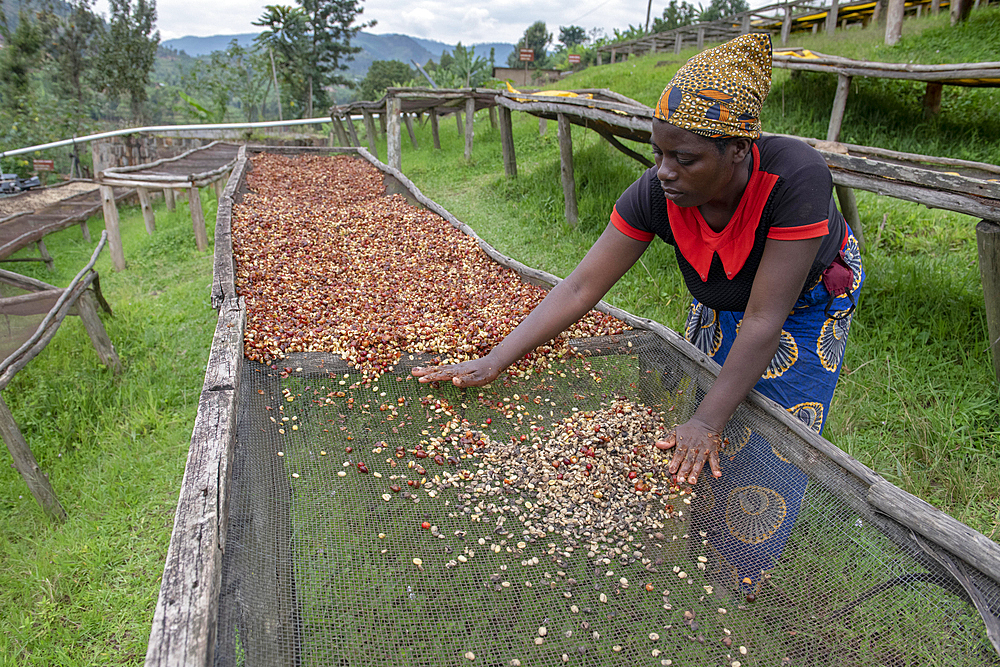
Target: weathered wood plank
x,y
849,207
926,178
988,243
27,466
435,131
408,119
370,134
184,623
951,201
168,198
839,106
33,303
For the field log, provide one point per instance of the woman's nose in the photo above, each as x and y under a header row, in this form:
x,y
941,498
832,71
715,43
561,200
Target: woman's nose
x,y
665,172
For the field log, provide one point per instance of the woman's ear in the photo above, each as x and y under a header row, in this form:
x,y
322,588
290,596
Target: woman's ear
x,y
742,146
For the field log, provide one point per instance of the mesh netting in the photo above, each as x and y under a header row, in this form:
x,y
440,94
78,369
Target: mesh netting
x,y
531,522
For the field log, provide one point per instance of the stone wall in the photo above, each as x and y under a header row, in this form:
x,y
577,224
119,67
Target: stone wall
x,y
142,148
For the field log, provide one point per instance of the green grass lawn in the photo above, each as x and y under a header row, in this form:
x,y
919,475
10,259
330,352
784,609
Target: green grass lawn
x,y
917,401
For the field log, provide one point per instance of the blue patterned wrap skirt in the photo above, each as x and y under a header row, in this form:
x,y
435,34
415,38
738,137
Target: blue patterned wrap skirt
x,y
748,513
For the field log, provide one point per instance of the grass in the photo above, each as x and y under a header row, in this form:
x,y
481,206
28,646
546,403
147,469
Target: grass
x,y
83,592
917,400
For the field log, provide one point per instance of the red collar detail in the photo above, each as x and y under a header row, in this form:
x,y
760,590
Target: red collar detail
x,y
698,242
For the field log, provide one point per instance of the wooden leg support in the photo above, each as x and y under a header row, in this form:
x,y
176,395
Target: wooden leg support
x,y
435,131
168,198
86,231
393,140
147,210
111,224
98,334
566,169
46,257
507,143
26,464
408,119
197,219
988,242
849,207
470,116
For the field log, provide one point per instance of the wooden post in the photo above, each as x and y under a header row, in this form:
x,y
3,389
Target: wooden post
x,y
382,123
168,198
678,42
493,118
815,28
86,231
458,121
935,7
470,116
839,105
507,143
147,210
894,22
24,461
849,207
786,25
197,219
219,185
435,132
612,55
543,126
959,10
988,242
111,224
352,132
701,37
932,99
370,132
338,128
745,23
393,142
566,168
831,18
44,253
98,334
409,129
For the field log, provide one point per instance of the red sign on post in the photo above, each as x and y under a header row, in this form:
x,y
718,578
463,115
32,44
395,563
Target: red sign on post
x,y
526,55
44,165
574,58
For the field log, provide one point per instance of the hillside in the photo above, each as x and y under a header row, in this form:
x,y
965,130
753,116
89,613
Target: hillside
x,y
374,47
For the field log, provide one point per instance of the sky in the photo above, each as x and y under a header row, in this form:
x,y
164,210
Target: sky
x,y
470,21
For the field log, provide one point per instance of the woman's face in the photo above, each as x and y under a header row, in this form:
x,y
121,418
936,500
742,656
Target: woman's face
x,y
691,170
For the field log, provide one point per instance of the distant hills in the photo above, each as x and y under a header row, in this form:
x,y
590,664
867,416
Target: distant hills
x,y
373,47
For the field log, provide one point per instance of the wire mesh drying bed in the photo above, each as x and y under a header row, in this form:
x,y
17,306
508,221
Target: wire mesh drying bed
x,y
336,512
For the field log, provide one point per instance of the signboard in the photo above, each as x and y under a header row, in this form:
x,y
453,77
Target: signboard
x,y
574,58
44,165
526,55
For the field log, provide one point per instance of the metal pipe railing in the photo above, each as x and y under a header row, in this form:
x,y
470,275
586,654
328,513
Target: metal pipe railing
x,y
164,128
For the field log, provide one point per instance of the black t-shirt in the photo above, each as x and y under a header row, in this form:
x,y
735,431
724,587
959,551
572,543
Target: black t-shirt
x,y
789,196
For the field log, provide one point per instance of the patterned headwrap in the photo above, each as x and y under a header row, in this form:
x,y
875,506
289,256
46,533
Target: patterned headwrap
x,y
719,92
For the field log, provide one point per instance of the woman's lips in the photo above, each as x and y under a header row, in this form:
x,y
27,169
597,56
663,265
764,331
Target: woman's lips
x,y
672,194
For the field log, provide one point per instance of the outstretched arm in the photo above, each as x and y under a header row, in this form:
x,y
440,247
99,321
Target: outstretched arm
x,y
611,256
780,277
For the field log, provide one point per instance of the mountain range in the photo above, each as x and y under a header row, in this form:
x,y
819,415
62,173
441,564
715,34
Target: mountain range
x,y
373,47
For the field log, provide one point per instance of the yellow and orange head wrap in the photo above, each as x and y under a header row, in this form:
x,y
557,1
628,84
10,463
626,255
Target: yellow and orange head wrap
x,y
720,91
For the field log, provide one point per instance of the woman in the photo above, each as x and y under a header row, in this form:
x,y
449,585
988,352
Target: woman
x,y
762,248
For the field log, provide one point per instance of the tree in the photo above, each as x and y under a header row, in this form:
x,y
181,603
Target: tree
x,y
723,8
330,29
537,38
128,50
19,56
74,47
571,36
470,70
676,15
285,41
383,74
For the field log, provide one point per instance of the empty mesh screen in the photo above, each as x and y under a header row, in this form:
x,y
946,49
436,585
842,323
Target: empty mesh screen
x,y
374,520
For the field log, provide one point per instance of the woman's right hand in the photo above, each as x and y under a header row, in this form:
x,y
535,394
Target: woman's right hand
x,y
472,373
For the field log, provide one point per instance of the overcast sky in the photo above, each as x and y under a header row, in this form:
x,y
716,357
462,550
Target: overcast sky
x,y
468,21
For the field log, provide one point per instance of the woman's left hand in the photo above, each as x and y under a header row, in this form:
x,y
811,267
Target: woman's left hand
x,y
694,443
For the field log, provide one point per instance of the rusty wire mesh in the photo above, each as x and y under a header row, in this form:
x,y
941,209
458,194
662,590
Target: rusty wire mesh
x,y
388,523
